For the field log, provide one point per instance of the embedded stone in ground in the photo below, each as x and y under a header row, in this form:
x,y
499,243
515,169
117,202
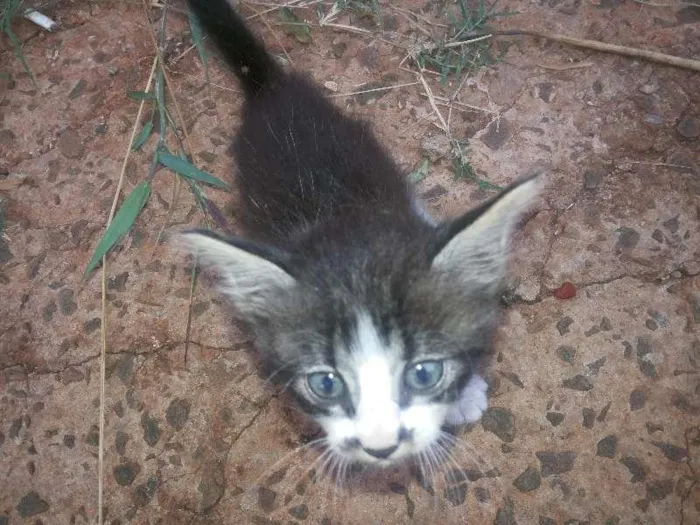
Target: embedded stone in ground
x,y
555,418
501,422
578,382
125,473
177,413
555,462
151,430
31,505
607,447
528,481
636,468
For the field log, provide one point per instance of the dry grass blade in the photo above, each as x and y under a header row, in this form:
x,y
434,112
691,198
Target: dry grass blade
x,y
673,4
385,88
352,29
442,101
431,99
190,303
461,43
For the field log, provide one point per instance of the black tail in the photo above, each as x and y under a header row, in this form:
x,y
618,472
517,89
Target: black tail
x,y
247,56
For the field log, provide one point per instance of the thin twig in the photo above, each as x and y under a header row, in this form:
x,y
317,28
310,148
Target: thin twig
x,y
189,154
422,71
188,326
385,88
657,164
344,27
447,102
168,84
460,43
298,4
175,60
103,327
652,56
676,4
431,99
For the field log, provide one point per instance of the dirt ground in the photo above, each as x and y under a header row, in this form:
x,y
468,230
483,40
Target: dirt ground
x,y
595,400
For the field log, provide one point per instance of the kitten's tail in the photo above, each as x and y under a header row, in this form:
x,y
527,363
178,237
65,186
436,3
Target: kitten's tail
x,y
255,68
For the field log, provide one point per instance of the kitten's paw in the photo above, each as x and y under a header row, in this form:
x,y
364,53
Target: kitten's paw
x,y
471,404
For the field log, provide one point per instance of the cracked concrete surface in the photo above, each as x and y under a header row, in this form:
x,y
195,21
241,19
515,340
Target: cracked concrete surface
x,y
594,400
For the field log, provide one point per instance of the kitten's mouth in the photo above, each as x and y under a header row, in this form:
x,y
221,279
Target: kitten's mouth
x,y
385,457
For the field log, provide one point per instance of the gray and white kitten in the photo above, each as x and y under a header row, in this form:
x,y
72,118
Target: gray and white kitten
x,y
377,317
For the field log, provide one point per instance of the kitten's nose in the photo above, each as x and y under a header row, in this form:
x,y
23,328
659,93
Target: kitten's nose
x,y
381,453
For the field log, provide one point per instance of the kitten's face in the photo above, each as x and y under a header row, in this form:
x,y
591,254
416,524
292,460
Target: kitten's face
x,y
386,394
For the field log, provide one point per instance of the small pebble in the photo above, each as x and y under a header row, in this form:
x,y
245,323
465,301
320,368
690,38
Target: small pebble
x,y
566,291
330,85
689,128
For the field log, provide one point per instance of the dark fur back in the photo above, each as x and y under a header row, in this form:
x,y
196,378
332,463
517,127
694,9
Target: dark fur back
x,y
302,163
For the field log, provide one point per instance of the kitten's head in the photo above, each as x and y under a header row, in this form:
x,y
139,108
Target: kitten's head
x,y
380,345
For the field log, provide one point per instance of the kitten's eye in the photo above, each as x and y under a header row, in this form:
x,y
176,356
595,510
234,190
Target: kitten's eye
x,y
425,375
326,385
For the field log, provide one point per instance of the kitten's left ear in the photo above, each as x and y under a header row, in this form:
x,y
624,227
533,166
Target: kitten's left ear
x,y
253,274
473,248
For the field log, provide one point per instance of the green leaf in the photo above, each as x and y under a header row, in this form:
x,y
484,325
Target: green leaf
x,y
420,172
121,224
140,95
294,26
143,135
198,38
184,168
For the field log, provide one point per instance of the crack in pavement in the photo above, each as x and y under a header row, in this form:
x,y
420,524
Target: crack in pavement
x,y
643,278
170,346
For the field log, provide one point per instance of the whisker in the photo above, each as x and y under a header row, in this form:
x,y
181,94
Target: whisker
x,y
422,460
286,366
281,369
323,469
471,453
296,451
451,460
466,447
430,486
335,472
344,473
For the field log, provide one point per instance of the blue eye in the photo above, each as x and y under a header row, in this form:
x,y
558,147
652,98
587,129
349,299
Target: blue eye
x,y
326,385
424,375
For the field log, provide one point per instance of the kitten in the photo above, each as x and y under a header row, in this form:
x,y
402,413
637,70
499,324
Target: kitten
x,y
377,317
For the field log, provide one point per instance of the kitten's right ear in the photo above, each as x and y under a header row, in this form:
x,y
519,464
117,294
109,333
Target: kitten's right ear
x,y
473,248
252,273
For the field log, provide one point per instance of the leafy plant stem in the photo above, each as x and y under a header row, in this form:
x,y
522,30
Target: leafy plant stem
x,y
103,326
